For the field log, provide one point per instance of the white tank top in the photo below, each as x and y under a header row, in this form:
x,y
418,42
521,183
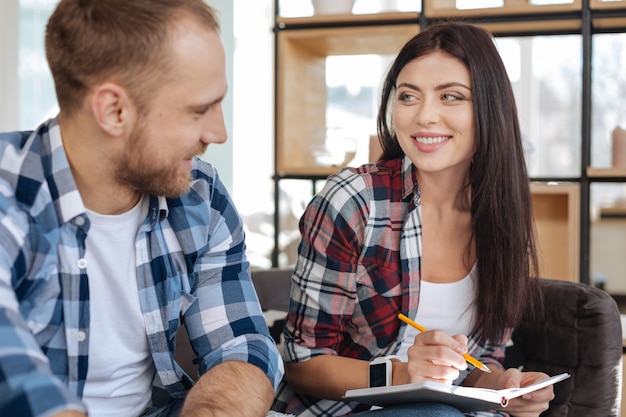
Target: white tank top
x,y
447,306
121,370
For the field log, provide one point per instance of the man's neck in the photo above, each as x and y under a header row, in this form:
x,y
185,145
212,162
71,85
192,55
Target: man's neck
x,y
92,169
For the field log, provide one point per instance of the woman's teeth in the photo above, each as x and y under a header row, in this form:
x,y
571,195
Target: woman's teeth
x,y
431,140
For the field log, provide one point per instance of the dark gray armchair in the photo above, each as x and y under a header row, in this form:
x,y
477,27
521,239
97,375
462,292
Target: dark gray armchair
x,y
581,333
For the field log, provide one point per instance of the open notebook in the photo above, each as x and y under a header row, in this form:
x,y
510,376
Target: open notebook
x,y
463,398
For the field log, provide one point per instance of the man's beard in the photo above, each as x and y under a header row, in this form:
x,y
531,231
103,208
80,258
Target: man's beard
x,y
148,172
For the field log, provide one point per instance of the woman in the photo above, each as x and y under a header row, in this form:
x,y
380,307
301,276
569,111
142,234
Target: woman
x,y
440,229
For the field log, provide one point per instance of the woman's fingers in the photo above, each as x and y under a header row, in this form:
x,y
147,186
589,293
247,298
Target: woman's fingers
x,y
436,356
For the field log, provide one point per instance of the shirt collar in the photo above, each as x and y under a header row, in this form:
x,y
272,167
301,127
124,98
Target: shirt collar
x,y
409,182
69,202
159,209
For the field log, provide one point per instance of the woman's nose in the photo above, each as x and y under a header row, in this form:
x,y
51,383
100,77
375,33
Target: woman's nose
x,y
427,113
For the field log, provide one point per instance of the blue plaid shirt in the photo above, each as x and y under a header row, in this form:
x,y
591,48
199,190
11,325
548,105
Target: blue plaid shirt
x,y
191,267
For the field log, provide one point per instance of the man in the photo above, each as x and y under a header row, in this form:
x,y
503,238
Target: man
x,y
112,232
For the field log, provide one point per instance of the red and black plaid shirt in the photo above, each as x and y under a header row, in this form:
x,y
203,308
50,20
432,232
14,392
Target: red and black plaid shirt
x,y
358,267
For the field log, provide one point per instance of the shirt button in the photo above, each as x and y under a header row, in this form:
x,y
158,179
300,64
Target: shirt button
x,y
82,263
81,336
79,221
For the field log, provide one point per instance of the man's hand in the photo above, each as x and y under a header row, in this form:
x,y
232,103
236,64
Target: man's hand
x,y
69,413
230,389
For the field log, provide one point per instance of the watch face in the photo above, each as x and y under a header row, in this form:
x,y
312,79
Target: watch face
x,y
378,375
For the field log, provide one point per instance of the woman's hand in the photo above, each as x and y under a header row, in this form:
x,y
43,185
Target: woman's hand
x,y
436,356
531,404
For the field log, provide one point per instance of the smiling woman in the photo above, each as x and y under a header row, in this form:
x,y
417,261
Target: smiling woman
x,y
433,114
415,231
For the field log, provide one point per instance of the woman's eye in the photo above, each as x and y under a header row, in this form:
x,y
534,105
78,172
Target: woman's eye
x,y
450,97
406,97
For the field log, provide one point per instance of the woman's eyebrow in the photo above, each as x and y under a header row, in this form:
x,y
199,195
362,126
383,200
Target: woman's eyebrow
x,y
437,88
452,84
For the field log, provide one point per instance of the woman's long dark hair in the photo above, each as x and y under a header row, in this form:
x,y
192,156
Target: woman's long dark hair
x,y
502,225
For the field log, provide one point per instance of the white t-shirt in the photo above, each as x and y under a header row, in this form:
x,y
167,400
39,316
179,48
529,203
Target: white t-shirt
x,y
121,370
448,307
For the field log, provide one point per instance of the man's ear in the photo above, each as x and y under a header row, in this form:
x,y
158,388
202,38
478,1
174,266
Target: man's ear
x,y
112,108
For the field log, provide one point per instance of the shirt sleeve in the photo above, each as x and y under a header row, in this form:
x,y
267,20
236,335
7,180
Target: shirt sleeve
x,y
492,354
27,385
324,291
225,321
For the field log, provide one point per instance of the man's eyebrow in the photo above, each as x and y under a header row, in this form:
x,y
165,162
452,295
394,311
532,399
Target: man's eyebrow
x,y
200,106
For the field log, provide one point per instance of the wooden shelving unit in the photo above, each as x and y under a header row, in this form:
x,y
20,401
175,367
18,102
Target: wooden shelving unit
x,y
562,210
556,210
301,87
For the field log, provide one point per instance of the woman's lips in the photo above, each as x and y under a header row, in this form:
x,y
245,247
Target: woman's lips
x,y
429,144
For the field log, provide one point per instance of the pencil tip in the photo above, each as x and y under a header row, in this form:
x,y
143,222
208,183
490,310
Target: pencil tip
x,y
485,369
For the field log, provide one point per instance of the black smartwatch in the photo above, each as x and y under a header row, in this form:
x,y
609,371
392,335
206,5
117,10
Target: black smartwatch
x,y
381,371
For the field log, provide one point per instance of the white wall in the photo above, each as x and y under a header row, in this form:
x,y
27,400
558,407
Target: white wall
x,y
9,94
221,156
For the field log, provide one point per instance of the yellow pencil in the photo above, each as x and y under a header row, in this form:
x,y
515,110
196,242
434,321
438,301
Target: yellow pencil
x,y
467,357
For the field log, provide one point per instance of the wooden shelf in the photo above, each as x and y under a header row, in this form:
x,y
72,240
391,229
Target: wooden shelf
x,y
510,8
607,5
613,172
534,26
348,19
609,23
352,40
556,212
609,213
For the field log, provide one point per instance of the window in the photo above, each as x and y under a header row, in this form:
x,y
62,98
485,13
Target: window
x,y
546,74
608,109
36,89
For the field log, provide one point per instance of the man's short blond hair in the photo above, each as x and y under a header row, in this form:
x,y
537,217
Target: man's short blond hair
x,y
125,41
